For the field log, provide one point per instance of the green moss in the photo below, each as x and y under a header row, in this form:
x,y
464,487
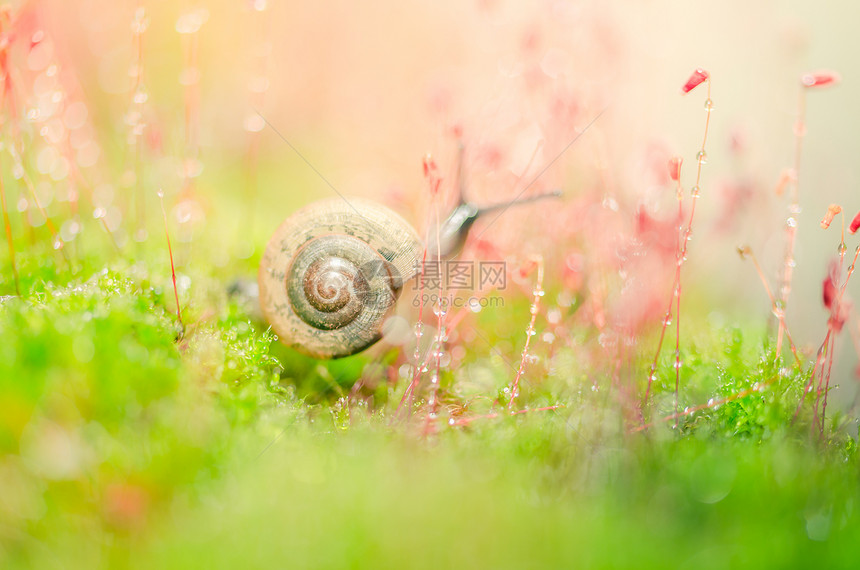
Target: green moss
x,y
129,440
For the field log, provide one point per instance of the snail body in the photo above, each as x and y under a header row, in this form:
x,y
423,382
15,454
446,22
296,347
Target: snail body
x,y
332,272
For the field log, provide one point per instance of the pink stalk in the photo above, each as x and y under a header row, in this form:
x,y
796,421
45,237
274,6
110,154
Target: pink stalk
x,y
438,342
758,387
812,80
468,420
434,183
825,351
745,252
699,76
138,27
793,213
530,331
419,328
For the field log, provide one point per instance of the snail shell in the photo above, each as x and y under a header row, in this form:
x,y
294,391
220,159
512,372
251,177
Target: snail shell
x,y
331,273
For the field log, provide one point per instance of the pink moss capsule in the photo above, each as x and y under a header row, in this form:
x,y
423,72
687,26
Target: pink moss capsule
x,y
855,223
697,78
526,268
829,291
675,168
818,79
431,173
833,210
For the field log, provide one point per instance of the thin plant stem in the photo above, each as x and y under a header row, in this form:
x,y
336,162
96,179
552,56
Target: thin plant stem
x,y
170,252
530,331
466,421
831,331
675,296
8,228
57,241
775,308
757,387
793,214
138,27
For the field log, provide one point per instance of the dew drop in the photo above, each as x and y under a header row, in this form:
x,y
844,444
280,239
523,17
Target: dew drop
x,y
190,22
445,359
69,230
610,203
694,192
140,21
140,96
702,157
254,123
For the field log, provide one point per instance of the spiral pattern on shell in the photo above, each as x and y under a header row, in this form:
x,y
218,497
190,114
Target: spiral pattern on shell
x,y
331,273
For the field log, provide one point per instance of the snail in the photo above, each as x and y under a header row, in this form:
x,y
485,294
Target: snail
x,y
332,271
